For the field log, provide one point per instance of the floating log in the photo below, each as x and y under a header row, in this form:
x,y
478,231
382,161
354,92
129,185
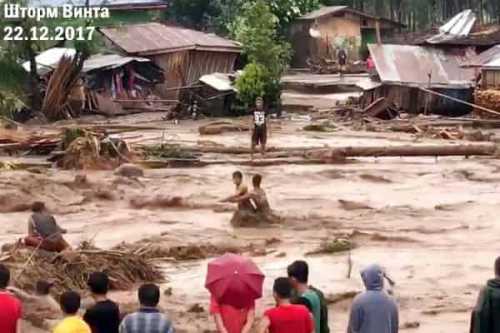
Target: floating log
x,y
407,150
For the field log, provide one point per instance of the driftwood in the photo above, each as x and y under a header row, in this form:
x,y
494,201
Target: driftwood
x,y
406,150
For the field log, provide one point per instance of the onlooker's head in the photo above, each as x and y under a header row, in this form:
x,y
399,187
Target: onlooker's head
x,y
70,302
259,103
43,287
282,289
298,272
149,295
38,207
98,283
373,277
4,276
256,180
237,177
497,268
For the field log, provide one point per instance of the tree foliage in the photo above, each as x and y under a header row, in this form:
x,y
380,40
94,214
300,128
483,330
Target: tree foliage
x,y
268,55
252,83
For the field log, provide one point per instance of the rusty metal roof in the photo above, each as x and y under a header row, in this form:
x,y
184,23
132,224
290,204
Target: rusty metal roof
x,y
332,10
156,38
457,27
411,65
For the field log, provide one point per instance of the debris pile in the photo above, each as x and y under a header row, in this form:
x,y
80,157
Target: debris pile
x,y
168,151
219,127
70,270
336,246
489,99
85,149
61,89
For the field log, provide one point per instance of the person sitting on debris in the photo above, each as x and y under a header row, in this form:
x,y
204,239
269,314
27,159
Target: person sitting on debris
x,y
148,319
10,307
43,230
104,315
259,127
485,317
72,323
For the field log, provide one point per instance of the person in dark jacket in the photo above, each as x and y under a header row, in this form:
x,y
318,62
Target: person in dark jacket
x,y
486,314
373,311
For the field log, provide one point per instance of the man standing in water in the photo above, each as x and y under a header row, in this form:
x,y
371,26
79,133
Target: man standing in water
x,y
259,127
241,191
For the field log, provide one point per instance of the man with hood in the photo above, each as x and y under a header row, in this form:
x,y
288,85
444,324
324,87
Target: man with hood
x,y
373,311
485,318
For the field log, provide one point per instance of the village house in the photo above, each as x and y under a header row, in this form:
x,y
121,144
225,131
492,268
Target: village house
x,y
318,34
491,74
185,55
405,70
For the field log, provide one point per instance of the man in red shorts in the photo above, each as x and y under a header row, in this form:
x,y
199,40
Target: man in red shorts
x,y
286,317
259,127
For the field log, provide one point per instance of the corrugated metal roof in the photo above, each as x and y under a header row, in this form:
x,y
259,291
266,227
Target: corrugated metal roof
x,y
95,3
457,27
484,57
493,64
331,10
327,10
411,65
47,60
156,38
218,81
109,61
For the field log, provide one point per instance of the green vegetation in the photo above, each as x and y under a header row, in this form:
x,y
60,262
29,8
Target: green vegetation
x,y
267,53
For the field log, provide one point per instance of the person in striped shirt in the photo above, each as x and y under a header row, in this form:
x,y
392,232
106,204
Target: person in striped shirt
x,y
148,319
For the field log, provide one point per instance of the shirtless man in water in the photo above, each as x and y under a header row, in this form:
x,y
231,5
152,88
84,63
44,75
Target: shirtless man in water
x,y
257,196
241,191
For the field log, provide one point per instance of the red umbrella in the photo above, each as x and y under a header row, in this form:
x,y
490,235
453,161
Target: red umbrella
x,y
234,280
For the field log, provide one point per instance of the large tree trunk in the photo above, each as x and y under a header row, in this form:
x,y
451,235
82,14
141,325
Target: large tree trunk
x,y
406,150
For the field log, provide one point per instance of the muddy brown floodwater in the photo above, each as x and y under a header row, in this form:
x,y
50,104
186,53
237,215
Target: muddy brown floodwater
x,y
432,223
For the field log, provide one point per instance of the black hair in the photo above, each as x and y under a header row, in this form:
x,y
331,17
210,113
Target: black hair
x,y
257,180
98,283
4,276
283,288
43,287
299,270
37,206
497,267
238,174
149,295
70,302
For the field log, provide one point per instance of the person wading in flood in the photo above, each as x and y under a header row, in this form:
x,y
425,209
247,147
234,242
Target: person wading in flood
x,y
259,127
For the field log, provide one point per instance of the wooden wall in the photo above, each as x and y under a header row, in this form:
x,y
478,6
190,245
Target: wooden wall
x,y
185,68
491,79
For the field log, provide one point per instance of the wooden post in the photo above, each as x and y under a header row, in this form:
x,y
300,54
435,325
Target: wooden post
x,y
377,28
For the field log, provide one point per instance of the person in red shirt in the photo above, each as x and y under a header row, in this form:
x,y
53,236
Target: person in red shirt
x,y
229,319
10,307
286,317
